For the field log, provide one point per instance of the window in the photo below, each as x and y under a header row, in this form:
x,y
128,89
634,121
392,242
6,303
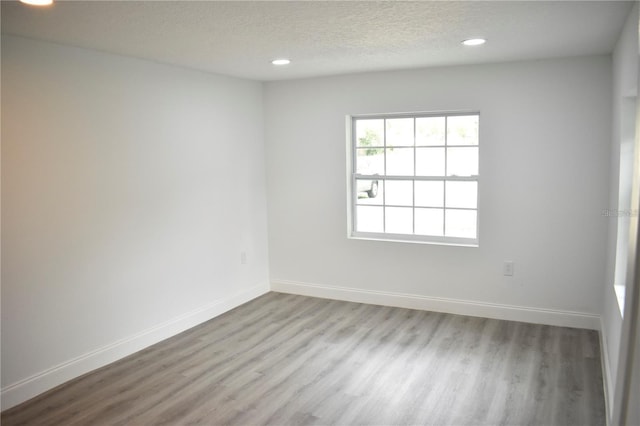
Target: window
x,y
414,177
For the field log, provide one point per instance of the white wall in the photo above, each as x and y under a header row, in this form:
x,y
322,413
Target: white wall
x,y
129,190
544,167
625,81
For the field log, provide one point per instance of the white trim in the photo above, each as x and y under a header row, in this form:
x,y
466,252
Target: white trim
x,y
607,378
441,304
25,389
413,238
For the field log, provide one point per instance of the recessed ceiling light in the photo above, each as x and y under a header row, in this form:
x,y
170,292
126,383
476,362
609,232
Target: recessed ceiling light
x,y
474,41
281,62
37,2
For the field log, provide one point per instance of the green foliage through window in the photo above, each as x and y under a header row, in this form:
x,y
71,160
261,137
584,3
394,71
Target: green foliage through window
x,y
370,139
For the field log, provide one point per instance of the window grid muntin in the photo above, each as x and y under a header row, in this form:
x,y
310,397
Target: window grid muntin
x,y
384,183
444,191
413,178
413,182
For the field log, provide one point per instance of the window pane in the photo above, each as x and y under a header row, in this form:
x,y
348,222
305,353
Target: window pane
x,y
369,192
429,222
460,223
462,130
429,193
370,161
369,219
462,194
398,192
400,132
369,133
462,161
429,161
430,131
398,220
400,161
416,175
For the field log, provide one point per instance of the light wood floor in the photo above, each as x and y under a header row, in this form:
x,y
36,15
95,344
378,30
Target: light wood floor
x,y
292,360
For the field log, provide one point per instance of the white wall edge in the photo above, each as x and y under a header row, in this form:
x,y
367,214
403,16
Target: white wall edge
x,y
607,382
30,387
439,304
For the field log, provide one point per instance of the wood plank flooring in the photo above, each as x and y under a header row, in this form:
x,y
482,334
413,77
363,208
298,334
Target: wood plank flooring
x,y
294,360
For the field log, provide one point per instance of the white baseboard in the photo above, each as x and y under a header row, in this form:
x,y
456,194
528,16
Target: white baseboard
x,y
23,390
607,380
439,304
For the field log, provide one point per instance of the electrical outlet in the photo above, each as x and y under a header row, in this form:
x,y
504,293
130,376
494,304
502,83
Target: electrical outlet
x,y
507,268
243,258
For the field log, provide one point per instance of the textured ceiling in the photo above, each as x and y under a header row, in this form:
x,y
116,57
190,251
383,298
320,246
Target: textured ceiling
x,y
323,38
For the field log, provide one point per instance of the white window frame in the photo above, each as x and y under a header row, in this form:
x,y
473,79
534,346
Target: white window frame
x,y
352,176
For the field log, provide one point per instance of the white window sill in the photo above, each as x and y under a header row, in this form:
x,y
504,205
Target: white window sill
x,y
394,238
